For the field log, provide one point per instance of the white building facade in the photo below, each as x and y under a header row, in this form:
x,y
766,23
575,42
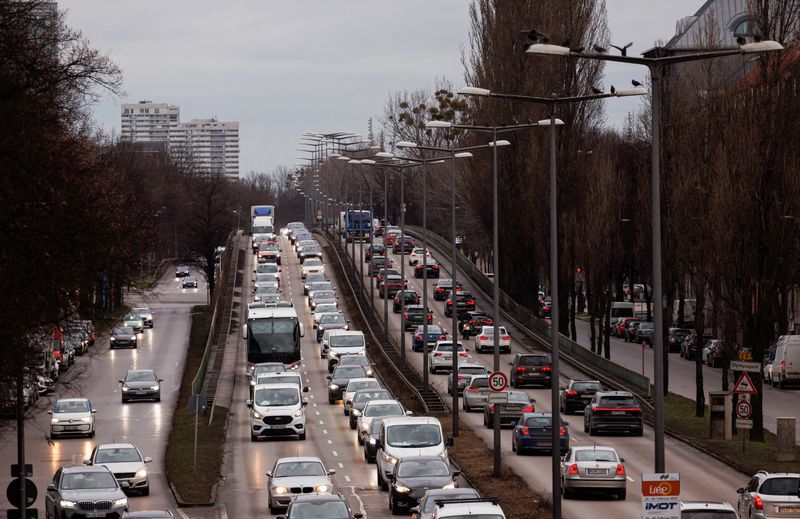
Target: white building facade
x,y
146,121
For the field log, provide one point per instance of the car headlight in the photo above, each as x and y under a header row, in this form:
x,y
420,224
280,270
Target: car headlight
x,y
346,326
54,420
449,485
257,415
390,459
402,489
298,413
86,419
322,328
154,388
65,503
281,490
323,488
124,388
372,441
369,373
252,382
333,387
113,339
123,501
141,473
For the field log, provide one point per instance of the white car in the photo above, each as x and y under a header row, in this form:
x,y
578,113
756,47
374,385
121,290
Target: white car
x,y
594,468
266,280
277,410
146,314
312,265
294,476
416,255
322,309
127,464
484,341
704,509
487,508
441,356
354,385
72,416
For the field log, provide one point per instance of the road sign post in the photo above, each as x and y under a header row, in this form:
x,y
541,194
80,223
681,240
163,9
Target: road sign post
x,y
661,494
498,382
743,388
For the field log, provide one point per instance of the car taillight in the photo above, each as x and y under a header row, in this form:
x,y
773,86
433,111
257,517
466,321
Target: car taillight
x,y
547,369
562,431
620,469
472,389
506,338
522,368
406,317
483,338
418,336
529,409
573,470
435,267
462,354
442,337
524,430
572,392
437,354
491,407
471,302
783,366
449,303
758,502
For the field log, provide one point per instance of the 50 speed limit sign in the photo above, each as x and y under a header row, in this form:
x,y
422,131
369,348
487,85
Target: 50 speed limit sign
x,y
743,410
498,381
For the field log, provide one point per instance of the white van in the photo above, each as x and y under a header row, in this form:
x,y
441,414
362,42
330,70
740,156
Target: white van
x,y
403,436
786,366
277,410
343,342
620,309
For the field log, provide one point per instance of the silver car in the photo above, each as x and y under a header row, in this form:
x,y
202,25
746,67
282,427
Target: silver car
x,y
127,464
593,468
441,356
134,321
354,385
319,297
427,503
264,293
122,337
72,416
294,476
265,280
376,409
770,494
146,314
81,492
476,393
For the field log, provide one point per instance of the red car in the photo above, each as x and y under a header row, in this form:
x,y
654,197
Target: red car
x,y
622,325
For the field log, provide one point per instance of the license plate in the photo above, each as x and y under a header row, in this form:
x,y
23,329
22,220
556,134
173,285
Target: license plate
x,y
597,471
788,509
95,514
545,444
617,412
71,428
276,427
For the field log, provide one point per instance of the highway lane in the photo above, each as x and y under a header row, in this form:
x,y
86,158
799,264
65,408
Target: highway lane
x,y
694,467
243,493
95,376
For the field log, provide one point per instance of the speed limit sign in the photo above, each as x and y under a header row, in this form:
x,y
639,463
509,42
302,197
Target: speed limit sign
x,y
743,410
498,381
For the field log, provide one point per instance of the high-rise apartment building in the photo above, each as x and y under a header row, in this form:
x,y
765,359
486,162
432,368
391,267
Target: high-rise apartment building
x,y
202,144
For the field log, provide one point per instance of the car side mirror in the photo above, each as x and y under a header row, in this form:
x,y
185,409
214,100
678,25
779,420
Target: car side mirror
x,y
622,460
88,463
329,377
533,400
414,509
248,403
449,441
456,473
161,380
269,474
565,423
51,488
305,389
358,515
120,381
391,477
738,490
305,402
148,459
355,412
49,412
331,472
94,411
302,330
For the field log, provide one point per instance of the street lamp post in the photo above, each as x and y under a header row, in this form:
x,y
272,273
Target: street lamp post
x,y
656,66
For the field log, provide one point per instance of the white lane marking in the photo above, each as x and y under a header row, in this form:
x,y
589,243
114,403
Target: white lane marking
x,y
314,405
347,478
321,422
330,442
223,512
324,431
317,412
335,453
629,479
341,465
182,513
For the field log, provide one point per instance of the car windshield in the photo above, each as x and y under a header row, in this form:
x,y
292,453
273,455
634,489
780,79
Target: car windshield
x,y
539,421
354,360
518,398
387,409
348,372
346,341
326,308
355,385
140,376
75,406
268,268
117,455
419,468
324,294
587,386
480,382
413,435
332,319
708,514
263,278
271,290
596,455
472,370
646,326
312,262
88,480
269,396
299,468
780,486
123,331
430,501
618,401
320,285
534,360
318,509
280,379
448,346
313,278
271,368
133,318
366,396
432,330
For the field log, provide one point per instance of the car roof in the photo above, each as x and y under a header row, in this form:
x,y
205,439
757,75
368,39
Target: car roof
x,y
282,385
347,332
364,379
593,447
141,371
388,421
466,509
707,505
297,459
72,400
615,393
116,446
155,514
420,458
85,468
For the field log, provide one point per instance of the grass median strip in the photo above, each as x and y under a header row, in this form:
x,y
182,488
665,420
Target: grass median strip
x,y
194,484
679,419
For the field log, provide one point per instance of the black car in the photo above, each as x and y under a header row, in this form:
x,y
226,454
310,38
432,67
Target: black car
x,y
465,301
534,432
676,337
470,323
360,399
320,506
181,271
576,395
531,368
378,249
442,289
141,384
435,333
433,269
613,411
122,337
331,322
371,440
339,379
413,476
404,245
411,298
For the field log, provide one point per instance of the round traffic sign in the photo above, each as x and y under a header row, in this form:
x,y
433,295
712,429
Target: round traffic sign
x,y
12,493
498,381
743,410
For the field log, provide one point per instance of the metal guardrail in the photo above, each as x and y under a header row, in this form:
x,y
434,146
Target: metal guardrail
x,y
536,329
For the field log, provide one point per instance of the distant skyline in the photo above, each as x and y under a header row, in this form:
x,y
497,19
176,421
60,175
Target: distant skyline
x,y
284,68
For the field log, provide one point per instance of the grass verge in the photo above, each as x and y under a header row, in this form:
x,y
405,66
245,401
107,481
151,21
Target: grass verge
x,y
680,419
194,484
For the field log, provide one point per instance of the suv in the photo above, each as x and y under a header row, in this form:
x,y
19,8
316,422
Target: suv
x,y
84,492
442,289
613,411
531,368
769,492
411,298
465,301
415,315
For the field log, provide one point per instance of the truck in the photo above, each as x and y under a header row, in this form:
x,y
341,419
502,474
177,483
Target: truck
x,y
262,229
260,211
355,225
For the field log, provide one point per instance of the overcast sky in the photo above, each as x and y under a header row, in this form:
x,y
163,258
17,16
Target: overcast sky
x,y
281,68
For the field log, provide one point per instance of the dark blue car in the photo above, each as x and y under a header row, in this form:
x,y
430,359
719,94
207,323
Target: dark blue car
x,y
533,432
435,333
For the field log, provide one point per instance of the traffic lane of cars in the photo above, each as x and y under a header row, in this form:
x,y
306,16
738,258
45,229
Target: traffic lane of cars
x,y
146,424
636,451
329,437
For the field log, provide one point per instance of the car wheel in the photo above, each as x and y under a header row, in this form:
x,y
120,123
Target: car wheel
x,y
381,481
514,445
622,494
396,510
274,510
585,427
353,426
253,437
124,400
567,492
146,491
331,400
91,434
302,436
513,382
781,382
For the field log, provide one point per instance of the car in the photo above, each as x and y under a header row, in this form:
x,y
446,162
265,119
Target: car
x,y
431,265
675,338
403,245
146,314
286,377
78,491
531,368
708,509
294,476
595,468
360,400
415,315
377,264
317,297
339,379
480,508
382,273
713,354
341,343
312,265
411,297
77,341
127,464
415,256
618,329
140,384
182,271
787,360
464,301
768,492
331,322
134,321
377,409
465,372
689,346
322,309
404,436
122,337
476,393
277,410
310,251
318,506
370,439
518,403
441,356
377,249
435,333
270,253
484,341
320,285
613,411
413,475
534,432
302,245
357,384
266,294
442,289
427,503
72,416
471,322
264,280
189,282
391,235
630,331
576,395
390,285
312,278
269,268
645,333
254,370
